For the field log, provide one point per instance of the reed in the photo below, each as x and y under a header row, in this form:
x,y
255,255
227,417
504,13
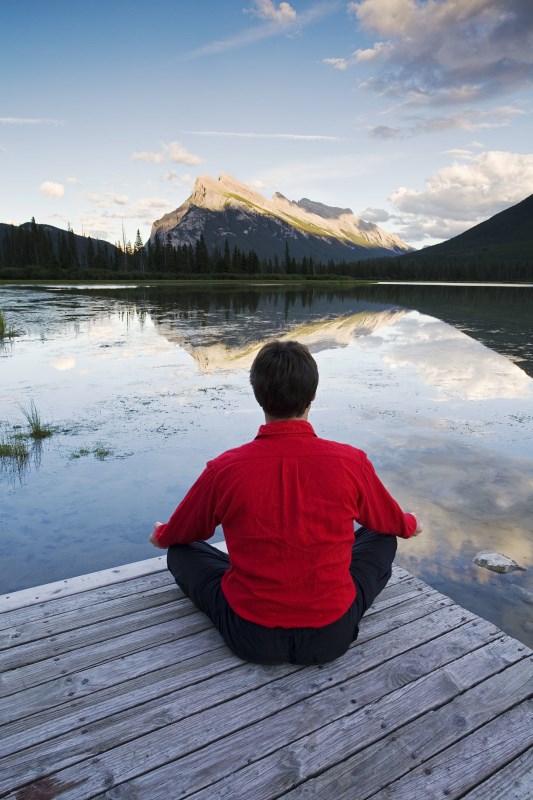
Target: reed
x,y
33,418
12,447
5,331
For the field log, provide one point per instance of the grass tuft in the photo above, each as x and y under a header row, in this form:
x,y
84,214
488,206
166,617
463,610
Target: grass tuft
x,y
33,418
5,331
13,451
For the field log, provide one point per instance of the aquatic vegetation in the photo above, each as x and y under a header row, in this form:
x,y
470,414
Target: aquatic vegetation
x,y
5,331
14,455
14,448
82,451
33,418
99,451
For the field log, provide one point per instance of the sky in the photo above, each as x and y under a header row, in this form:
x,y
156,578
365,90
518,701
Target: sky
x,y
415,114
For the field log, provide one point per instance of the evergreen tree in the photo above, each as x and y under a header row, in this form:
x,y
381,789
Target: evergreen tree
x,y
201,256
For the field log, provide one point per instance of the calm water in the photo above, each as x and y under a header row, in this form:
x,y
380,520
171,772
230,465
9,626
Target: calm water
x,y
142,385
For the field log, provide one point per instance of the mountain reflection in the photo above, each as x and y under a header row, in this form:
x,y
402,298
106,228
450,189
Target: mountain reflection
x,y
498,316
317,335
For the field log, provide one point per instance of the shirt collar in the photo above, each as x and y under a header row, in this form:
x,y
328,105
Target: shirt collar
x,y
286,426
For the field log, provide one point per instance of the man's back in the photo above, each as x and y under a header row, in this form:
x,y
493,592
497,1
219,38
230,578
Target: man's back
x,y
287,502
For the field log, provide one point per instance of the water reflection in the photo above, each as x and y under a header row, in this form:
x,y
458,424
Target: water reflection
x,y
158,377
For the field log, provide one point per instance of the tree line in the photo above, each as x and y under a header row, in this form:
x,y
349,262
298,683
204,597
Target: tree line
x,y
41,252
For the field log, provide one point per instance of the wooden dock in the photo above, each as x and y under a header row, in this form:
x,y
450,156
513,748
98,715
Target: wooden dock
x,y
114,687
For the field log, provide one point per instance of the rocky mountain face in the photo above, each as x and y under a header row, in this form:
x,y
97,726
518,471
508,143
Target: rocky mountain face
x,y
227,209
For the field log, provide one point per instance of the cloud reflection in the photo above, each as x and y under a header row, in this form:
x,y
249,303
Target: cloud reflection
x,y
451,361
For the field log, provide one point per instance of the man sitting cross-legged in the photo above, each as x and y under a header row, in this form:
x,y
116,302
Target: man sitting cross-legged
x,y
296,580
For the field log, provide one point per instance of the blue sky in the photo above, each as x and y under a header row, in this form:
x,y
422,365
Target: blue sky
x,y
415,114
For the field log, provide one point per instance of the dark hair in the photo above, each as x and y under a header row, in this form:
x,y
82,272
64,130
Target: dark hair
x,y
284,377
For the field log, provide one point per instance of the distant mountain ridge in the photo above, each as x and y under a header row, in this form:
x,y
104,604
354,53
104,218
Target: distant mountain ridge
x,y
507,235
227,209
57,236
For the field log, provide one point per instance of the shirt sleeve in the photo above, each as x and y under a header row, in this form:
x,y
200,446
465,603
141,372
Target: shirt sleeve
x,y
195,519
378,510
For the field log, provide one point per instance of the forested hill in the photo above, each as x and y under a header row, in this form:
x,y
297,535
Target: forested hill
x,y
507,236
53,249
499,249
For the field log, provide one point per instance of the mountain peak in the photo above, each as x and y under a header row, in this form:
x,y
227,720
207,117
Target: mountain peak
x,y
225,208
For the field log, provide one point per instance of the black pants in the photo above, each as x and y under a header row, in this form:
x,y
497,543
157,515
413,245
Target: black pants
x,y
198,569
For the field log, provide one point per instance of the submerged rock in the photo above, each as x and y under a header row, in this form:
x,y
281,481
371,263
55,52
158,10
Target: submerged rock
x,y
497,562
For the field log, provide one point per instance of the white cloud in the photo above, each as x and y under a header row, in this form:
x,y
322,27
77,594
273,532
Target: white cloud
x,y
109,199
467,120
157,158
282,14
52,189
445,51
463,194
458,152
312,137
337,63
30,121
173,152
74,181
374,215
276,20
379,50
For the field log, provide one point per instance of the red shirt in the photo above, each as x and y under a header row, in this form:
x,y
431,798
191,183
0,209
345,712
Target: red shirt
x,y
287,502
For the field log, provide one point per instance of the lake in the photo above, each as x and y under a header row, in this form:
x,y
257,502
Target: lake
x,y
143,384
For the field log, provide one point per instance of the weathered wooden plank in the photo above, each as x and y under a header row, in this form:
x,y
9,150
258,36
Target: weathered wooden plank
x,y
249,741
406,748
406,591
102,703
13,614
63,666
72,620
160,673
469,762
266,761
169,704
74,676
32,763
69,586
90,635
405,611
513,782
52,667
88,614
396,588
112,675
84,600
93,580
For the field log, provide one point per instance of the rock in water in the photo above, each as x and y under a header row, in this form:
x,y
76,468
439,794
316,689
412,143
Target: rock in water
x,y
497,562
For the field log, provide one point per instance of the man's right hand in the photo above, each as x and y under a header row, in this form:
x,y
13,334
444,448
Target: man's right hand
x,y
419,524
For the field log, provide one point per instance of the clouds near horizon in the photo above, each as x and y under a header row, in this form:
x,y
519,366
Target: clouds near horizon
x,y
172,152
52,189
461,195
